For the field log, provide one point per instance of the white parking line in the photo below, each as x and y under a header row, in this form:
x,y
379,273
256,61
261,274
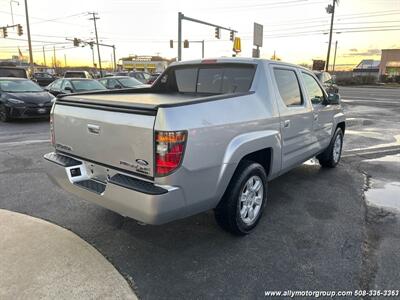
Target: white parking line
x,y
24,142
380,100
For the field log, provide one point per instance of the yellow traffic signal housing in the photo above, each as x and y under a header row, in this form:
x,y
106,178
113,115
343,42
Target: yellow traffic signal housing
x,y
19,30
237,47
185,44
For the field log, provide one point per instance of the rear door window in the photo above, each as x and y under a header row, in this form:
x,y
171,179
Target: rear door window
x,y
215,79
288,87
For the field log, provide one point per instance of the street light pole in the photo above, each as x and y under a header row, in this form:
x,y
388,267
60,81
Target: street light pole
x,y
94,18
331,10
12,13
29,37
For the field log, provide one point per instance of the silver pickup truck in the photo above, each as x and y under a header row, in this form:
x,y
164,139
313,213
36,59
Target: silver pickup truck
x,y
208,134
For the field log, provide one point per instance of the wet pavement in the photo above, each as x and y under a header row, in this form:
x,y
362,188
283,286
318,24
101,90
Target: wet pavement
x,y
323,229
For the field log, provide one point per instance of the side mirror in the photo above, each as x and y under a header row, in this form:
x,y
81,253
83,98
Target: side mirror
x,y
333,99
68,89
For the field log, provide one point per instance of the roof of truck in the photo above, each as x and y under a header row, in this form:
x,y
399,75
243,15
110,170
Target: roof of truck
x,y
240,60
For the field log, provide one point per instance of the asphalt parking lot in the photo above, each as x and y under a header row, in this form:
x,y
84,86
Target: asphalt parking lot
x,y
323,229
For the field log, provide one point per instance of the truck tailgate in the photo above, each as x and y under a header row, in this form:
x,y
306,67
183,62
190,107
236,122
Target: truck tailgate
x,y
120,139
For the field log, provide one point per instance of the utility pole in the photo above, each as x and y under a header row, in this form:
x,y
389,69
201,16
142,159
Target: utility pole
x,y
202,49
54,57
330,10
65,60
29,37
94,18
334,58
180,17
44,57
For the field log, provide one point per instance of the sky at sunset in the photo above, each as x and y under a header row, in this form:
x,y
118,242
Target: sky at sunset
x,y
295,29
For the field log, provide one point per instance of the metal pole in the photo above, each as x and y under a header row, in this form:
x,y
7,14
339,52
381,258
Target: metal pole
x,y
180,16
65,60
334,59
29,37
97,41
44,57
54,57
330,37
115,60
12,13
202,49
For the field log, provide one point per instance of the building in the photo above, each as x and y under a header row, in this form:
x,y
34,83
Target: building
x,y
367,67
390,62
149,64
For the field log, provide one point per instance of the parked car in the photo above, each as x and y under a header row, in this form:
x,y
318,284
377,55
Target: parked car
x,y
78,74
20,98
43,78
7,71
121,82
208,134
327,81
141,76
70,85
153,78
122,73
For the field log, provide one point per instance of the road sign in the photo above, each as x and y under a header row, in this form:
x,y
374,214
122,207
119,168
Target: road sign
x,y
258,35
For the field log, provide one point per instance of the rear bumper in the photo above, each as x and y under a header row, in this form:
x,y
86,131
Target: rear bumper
x,y
122,193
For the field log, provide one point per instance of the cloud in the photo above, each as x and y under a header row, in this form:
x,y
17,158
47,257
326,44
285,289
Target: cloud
x,y
368,52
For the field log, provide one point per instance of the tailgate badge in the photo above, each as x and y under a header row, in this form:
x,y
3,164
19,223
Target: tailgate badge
x,y
142,162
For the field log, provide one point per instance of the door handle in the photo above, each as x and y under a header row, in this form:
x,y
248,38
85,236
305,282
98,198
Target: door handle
x,y
95,129
286,123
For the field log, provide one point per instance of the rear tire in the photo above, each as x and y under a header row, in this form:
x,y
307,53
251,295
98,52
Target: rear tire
x,y
331,156
242,205
4,114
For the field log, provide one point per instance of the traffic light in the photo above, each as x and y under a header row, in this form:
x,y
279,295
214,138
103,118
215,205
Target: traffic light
x,y
171,43
232,35
19,30
185,44
76,42
217,32
237,45
5,34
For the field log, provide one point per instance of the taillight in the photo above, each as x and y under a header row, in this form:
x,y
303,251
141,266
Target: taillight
x,y
170,147
52,136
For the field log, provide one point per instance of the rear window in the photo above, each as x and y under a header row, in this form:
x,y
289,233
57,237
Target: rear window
x,y
215,79
74,75
10,72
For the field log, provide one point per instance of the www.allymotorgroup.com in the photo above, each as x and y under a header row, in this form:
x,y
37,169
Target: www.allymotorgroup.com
x,y
332,294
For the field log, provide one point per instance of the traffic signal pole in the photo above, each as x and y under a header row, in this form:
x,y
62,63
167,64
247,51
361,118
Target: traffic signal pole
x,y
181,17
28,31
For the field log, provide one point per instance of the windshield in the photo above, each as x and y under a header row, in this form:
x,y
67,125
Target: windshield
x,y
129,82
217,79
19,86
87,85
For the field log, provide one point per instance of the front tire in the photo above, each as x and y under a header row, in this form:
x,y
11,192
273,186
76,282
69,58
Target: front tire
x,y
243,203
331,156
4,114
